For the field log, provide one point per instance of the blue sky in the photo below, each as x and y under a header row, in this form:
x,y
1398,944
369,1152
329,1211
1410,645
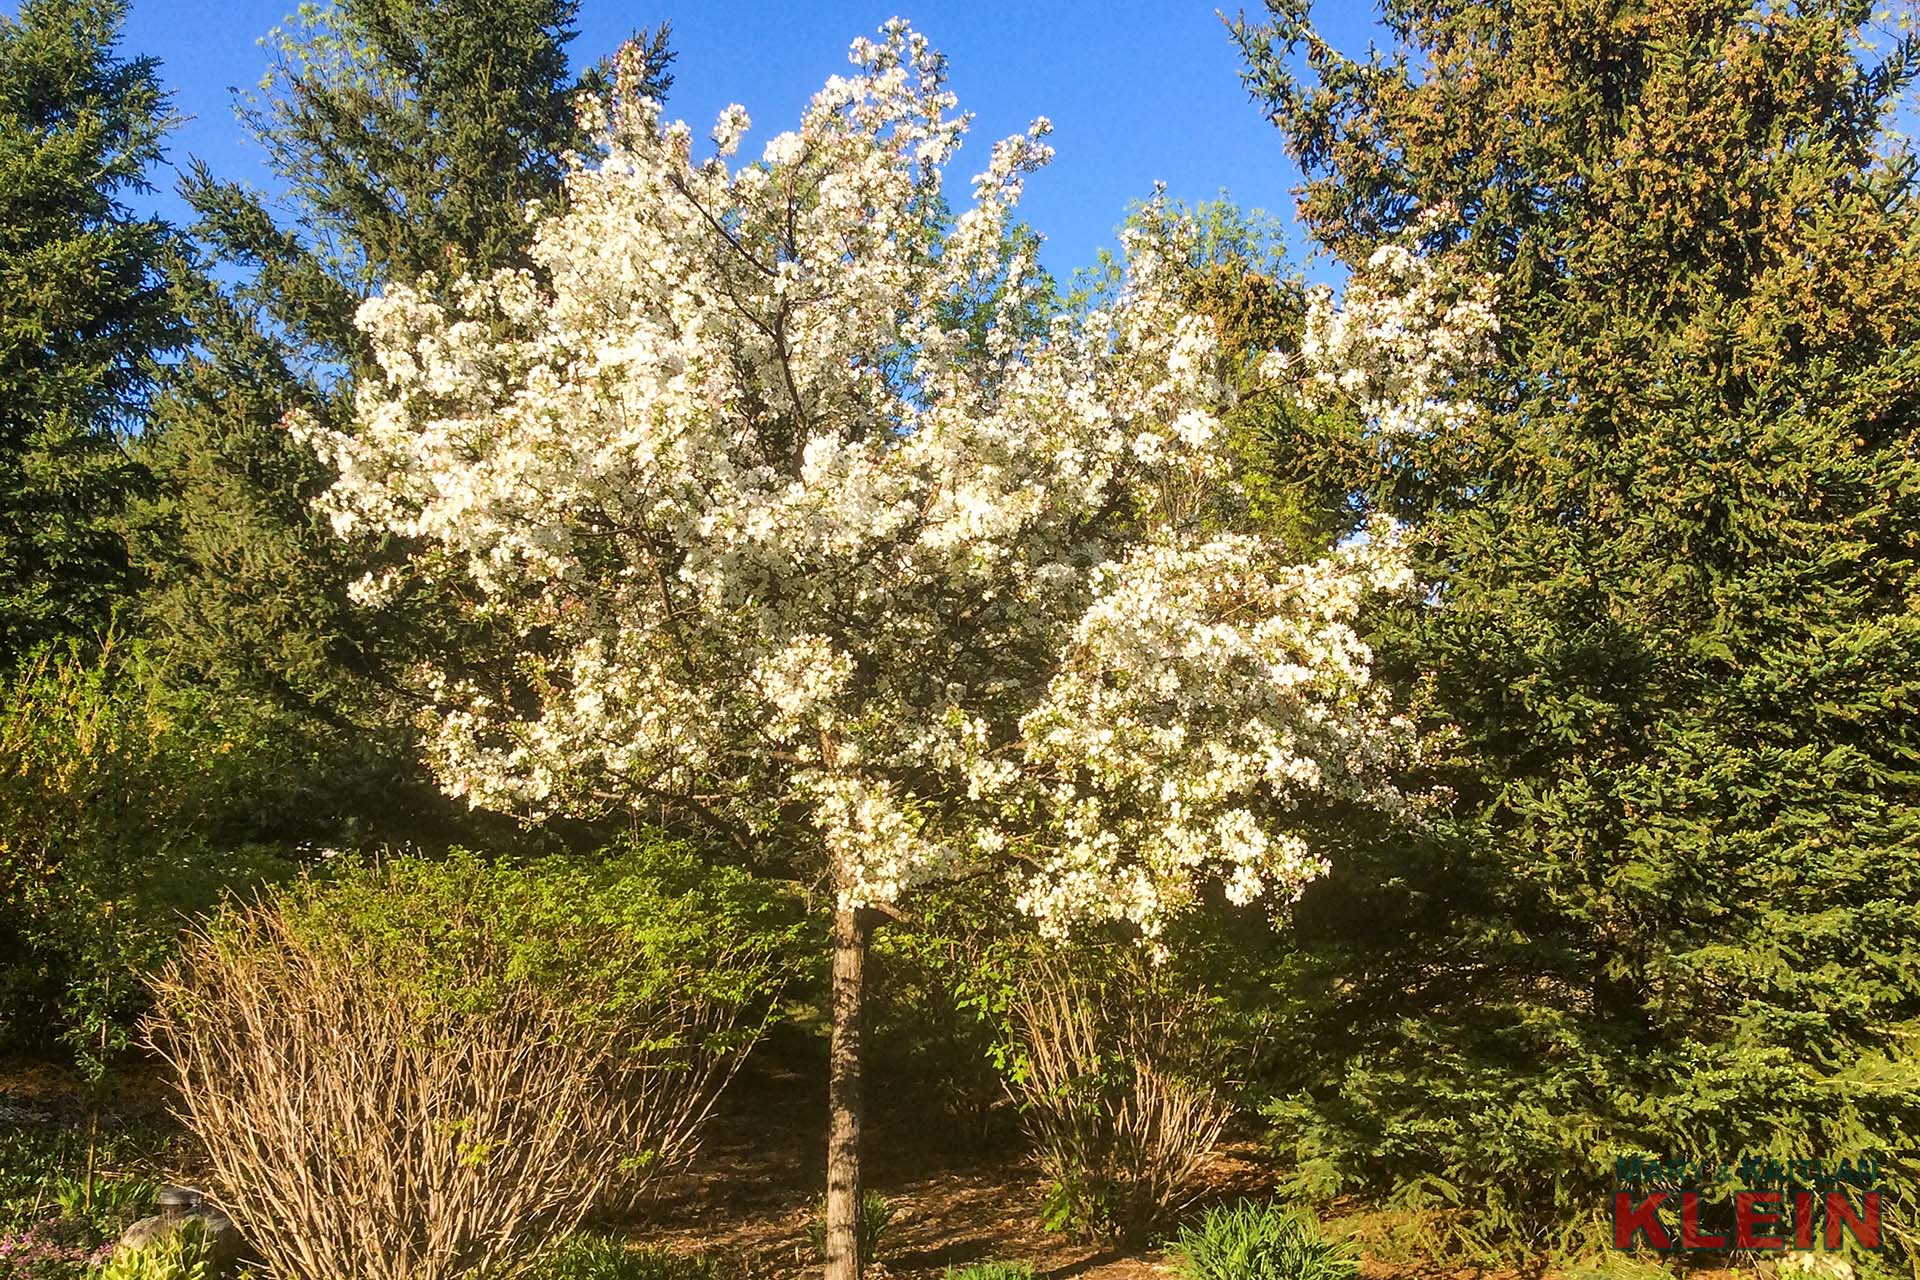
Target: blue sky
x,y
1136,91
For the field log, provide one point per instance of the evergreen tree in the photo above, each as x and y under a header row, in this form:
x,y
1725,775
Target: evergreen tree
x,y
84,311
1675,614
408,135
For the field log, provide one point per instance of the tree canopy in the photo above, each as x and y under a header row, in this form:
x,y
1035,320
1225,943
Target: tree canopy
x,y
85,312
1674,568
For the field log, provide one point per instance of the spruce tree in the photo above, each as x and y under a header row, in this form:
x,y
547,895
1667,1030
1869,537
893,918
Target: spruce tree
x,y
84,312
1674,615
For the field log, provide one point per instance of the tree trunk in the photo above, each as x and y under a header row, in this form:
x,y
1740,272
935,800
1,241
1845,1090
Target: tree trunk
x,y
845,1106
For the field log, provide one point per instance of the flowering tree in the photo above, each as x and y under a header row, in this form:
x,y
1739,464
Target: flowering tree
x,y
788,509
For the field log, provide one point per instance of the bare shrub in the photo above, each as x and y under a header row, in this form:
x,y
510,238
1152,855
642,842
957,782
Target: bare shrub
x,y
426,1069
1119,1118
360,1128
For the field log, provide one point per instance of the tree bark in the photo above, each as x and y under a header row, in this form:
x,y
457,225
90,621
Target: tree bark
x,y
846,1107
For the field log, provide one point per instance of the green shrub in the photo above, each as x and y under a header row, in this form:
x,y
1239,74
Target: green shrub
x,y
63,1197
685,960
44,1174
609,934
126,804
876,1216
938,1027
593,1257
994,1270
1399,1236
181,1256
1260,1241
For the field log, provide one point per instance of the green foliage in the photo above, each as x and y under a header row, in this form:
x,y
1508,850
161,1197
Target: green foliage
x,y
415,133
67,1193
1073,1210
117,1199
592,1257
97,1181
1674,623
876,1216
1234,267
245,589
642,922
1296,465
1260,1241
992,1270
125,806
181,1256
937,1005
1414,1237
83,312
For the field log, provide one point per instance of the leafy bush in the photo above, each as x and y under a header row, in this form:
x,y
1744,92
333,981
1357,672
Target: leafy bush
x,y
1121,1118
876,1215
473,1052
181,1256
937,1014
124,805
593,1257
1260,1241
993,1270
683,962
58,1212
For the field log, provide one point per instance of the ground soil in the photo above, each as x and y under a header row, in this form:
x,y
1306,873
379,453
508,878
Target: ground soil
x,y
757,1182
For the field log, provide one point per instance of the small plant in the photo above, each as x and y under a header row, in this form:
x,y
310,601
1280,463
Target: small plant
x,y
592,1257
118,1200
991,1271
55,1219
43,1176
876,1215
56,1250
181,1256
1260,1241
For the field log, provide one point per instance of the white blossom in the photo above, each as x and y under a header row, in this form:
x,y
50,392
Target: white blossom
x,y
758,522
1408,328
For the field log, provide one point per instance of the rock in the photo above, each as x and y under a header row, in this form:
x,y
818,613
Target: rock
x,y
216,1230
13,1114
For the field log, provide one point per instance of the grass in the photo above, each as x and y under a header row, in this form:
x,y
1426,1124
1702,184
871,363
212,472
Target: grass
x,y
1257,1240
